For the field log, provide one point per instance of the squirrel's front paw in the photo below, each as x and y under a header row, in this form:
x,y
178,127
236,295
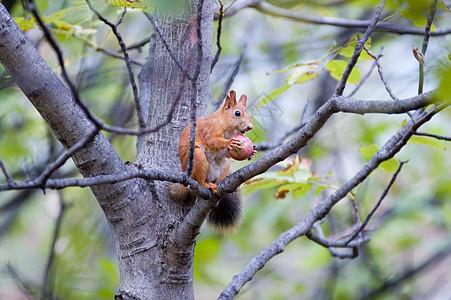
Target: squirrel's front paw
x,y
212,187
253,154
235,144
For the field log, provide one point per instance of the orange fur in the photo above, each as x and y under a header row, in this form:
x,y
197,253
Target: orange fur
x,y
213,137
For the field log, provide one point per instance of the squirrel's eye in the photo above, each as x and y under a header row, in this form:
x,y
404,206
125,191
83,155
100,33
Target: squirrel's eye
x,y
237,113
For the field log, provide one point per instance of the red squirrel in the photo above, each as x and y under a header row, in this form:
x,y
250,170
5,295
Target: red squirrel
x,y
214,136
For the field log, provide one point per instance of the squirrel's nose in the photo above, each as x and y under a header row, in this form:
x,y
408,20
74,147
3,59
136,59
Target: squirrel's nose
x,y
250,127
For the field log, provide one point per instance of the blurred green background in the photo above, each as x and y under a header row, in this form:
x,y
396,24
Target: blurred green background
x,y
411,227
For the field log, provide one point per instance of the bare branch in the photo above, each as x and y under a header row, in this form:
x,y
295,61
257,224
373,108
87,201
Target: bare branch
x,y
196,40
46,292
45,175
100,49
348,252
391,147
5,172
269,9
218,35
97,122
190,226
427,34
268,145
334,243
370,215
139,44
231,78
407,274
166,44
364,78
315,123
128,63
127,174
381,74
236,6
435,136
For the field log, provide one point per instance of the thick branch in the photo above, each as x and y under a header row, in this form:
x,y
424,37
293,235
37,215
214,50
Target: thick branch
x,y
393,145
124,175
313,125
340,22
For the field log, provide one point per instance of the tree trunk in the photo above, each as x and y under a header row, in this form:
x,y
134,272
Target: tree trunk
x,y
142,218
173,272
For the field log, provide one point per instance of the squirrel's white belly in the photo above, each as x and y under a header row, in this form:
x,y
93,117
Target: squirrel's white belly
x,y
218,163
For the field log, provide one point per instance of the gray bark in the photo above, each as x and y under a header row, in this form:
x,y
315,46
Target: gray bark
x,y
141,217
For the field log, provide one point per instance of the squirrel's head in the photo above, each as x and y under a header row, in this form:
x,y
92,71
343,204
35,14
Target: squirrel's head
x,y
238,117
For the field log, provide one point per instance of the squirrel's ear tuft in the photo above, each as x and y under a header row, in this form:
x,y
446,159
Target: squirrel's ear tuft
x,y
230,100
243,100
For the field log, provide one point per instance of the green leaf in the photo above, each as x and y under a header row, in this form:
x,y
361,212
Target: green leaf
x,y
442,6
337,67
427,141
260,184
319,189
24,24
348,49
312,63
389,166
306,76
368,151
303,189
444,88
290,186
144,5
300,76
273,95
291,169
418,19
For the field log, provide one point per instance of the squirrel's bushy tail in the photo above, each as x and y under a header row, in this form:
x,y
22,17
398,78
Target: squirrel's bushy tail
x,y
227,215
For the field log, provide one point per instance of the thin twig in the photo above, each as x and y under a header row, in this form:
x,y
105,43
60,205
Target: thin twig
x,y
321,240
231,78
188,228
439,137
32,7
407,274
364,78
25,286
128,63
139,45
196,43
166,44
51,168
384,194
358,49
97,48
218,35
381,73
270,145
8,176
331,245
46,293
272,10
427,34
